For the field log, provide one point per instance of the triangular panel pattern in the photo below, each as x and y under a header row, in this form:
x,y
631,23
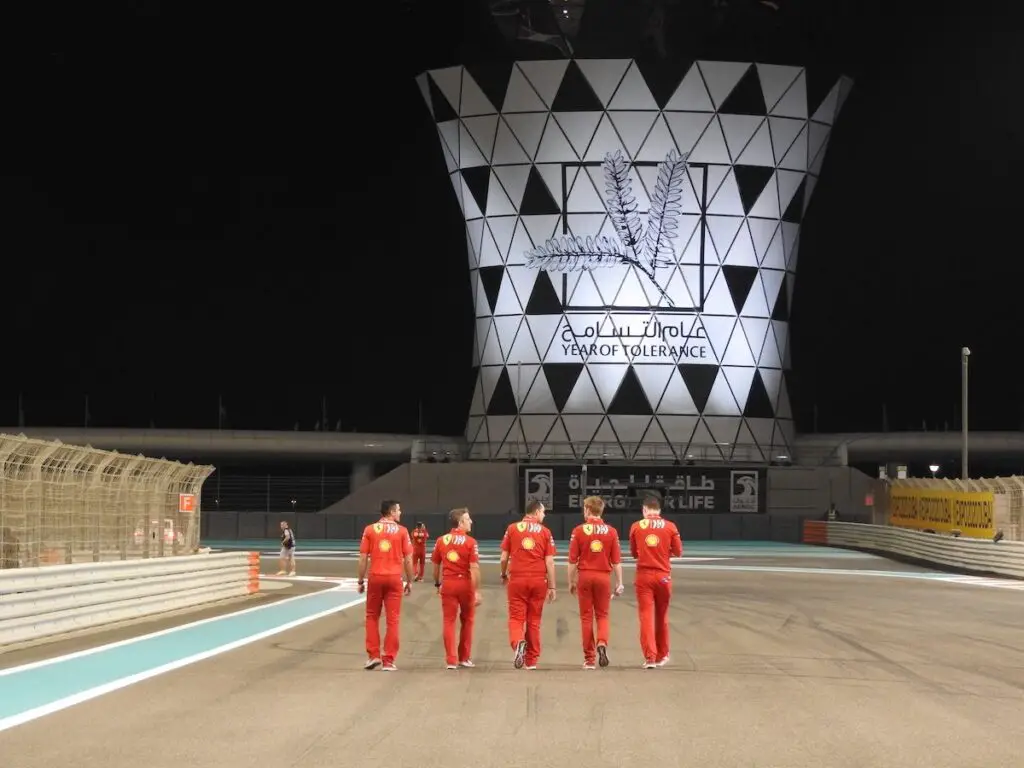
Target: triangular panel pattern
x,y
683,361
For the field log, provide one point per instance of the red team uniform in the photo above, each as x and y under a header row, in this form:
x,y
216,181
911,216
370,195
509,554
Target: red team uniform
x,y
528,544
652,541
420,536
594,549
387,544
455,552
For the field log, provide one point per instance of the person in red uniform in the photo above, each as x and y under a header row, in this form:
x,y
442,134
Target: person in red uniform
x,y
594,552
456,560
652,542
387,546
528,565
419,549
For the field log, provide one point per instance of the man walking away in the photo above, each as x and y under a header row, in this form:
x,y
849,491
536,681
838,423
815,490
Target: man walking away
x,y
528,565
456,560
594,552
652,542
286,560
419,549
387,546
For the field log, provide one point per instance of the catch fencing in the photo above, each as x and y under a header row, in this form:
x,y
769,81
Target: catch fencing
x,y
62,504
1007,492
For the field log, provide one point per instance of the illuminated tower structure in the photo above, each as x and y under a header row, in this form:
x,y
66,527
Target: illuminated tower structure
x,y
632,226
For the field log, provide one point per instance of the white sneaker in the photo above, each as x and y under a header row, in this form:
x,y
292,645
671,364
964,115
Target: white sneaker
x,y
389,668
452,666
467,663
531,667
518,659
589,666
663,662
372,664
291,573
650,665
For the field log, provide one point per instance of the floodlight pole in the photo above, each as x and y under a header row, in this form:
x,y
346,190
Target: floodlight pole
x,y
965,353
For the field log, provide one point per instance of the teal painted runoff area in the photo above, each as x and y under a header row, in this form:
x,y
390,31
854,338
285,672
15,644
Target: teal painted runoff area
x,y
38,686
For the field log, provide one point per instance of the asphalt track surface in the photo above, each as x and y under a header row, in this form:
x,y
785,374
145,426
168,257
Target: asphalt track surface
x,y
783,668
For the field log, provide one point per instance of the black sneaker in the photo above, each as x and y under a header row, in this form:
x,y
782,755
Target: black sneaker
x,y
520,658
602,656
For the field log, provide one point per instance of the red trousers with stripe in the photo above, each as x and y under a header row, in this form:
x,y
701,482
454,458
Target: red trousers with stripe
x,y
458,600
594,593
383,594
653,597
526,596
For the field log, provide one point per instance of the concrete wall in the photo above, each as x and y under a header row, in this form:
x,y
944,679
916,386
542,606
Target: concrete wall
x,y
310,527
808,491
430,489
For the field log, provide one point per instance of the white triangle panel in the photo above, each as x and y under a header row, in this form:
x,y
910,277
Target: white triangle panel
x,y
473,426
483,327
784,132
528,129
747,448
482,130
502,228
535,430
630,430
790,240
711,147
762,430
523,349
756,330
784,411
772,380
508,301
793,103
474,102
507,150
761,233
488,253
633,92
723,231
583,399
545,76
677,399
738,352
633,128
521,244
702,443
721,401
742,254
539,398
469,205
607,378
772,280
738,131
557,445
449,135
714,175
724,429
470,154
583,197
449,82
544,329
604,76
726,201
498,429
771,355
740,381
718,330
522,378
581,428
606,443
658,144
687,128
756,304
758,150
541,227
498,203
817,136
554,147
482,306
721,77
489,376
478,406
718,300
678,429
522,279
796,158
507,327
579,128
691,95
606,141
475,232
767,205
775,81
491,353
653,380
680,291
827,111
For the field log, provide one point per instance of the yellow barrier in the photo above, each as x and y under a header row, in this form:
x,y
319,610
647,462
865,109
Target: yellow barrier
x,y
971,513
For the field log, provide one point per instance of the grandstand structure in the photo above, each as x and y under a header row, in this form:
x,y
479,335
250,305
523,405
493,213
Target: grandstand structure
x,y
63,504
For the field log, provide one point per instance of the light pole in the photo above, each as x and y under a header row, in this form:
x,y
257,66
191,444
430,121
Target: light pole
x,y
933,468
965,353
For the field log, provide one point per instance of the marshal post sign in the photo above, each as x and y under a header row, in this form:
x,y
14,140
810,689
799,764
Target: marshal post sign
x,y
694,490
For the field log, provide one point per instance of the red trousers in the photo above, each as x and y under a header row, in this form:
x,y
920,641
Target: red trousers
x,y
383,593
653,596
419,561
594,592
458,599
526,596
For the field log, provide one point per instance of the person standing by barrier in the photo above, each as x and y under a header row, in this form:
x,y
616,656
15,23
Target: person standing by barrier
x,y
286,561
387,546
420,536
528,565
456,560
594,552
653,541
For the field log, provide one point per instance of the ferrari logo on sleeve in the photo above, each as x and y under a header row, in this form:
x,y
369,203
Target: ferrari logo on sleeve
x,y
528,543
384,546
377,527
596,546
651,540
453,556
447,539
588,529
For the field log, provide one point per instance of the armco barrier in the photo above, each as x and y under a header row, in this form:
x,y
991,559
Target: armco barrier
x,y
1004,558
37,603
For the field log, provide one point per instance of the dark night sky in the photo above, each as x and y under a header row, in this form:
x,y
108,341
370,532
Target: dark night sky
x,y
141,270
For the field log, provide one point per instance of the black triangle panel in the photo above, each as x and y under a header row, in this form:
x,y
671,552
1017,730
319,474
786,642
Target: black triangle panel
x,y
537,199
491,278
630,399
443,111
699,379
492,77
575,93
561,380
794,212
780,311
751,181
759,405
663,77
746,98
478,180
543,299
503,399
820,81
739,280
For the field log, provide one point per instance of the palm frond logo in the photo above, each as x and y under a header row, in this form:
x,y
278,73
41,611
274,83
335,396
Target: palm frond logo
x,y
644,249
